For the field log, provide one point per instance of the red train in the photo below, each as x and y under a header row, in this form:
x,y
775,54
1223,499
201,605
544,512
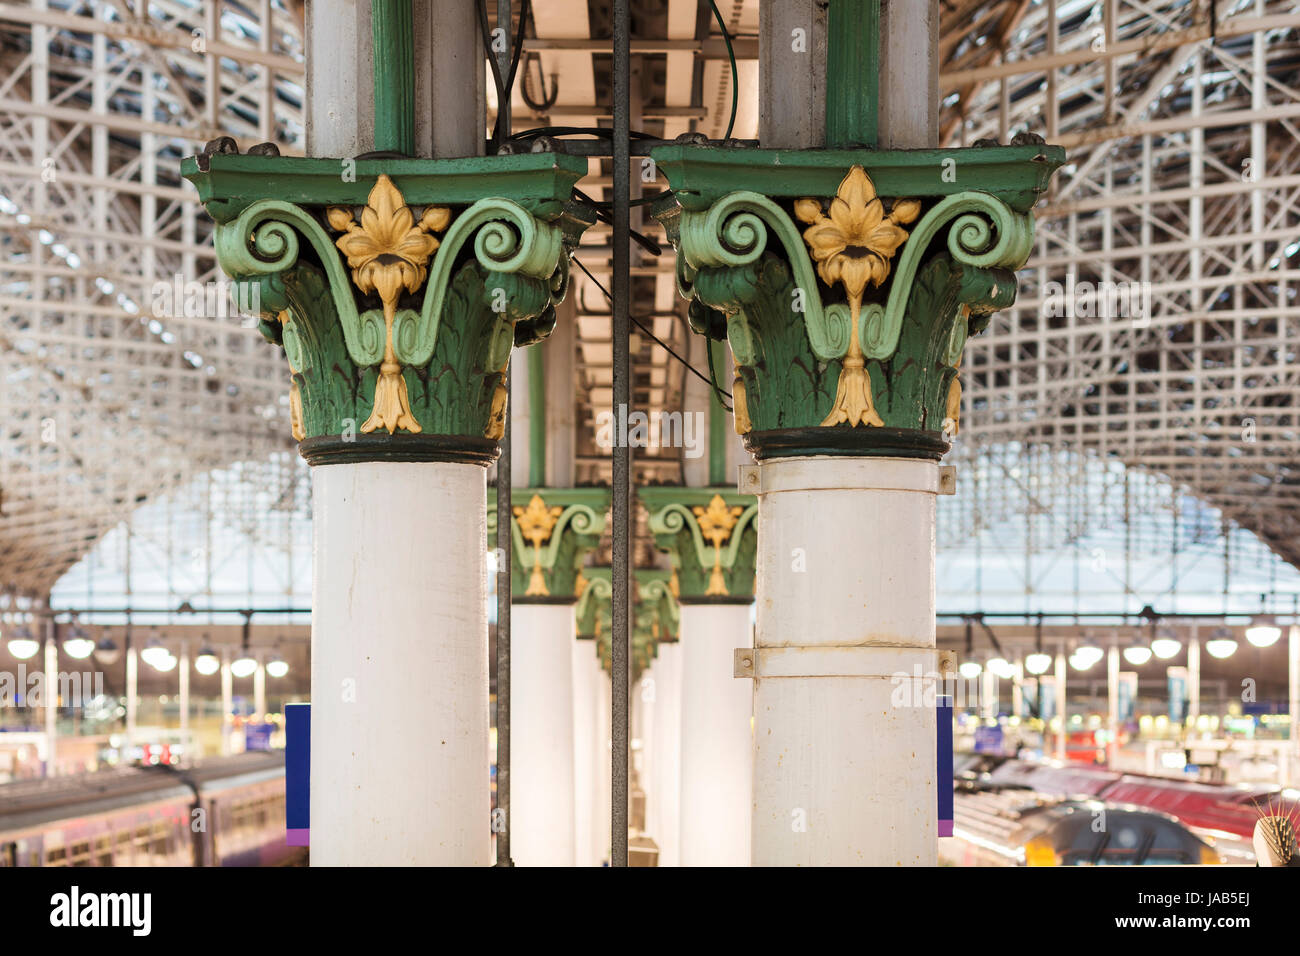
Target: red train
x,y
1223,812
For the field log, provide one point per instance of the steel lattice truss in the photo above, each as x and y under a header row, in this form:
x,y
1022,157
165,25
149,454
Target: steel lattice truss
x,y
1184,174
1181,195
112,392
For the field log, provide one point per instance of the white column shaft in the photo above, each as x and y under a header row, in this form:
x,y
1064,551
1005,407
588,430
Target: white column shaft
x,y
844,765
717,744
227,701
541,728
586,674
133,698
185,700
399,763
1062,711
51,700
259,692
666,786
1293,697
604,769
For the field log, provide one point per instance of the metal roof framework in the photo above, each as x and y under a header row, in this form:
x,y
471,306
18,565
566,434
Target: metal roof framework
x,y
1153,325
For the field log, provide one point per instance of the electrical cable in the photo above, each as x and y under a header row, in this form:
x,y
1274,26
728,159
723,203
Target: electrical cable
x,y
600,132
731,55
504,87
658,341
642,240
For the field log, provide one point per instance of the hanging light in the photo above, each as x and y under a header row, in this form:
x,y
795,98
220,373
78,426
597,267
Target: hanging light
x,y
277,666
155,654
207,662
1001,668
107,651
244,666
165,664
969,670
1137,654
78,644
1222,644
1082,662
1166,645
22,645
1263,632
1087,654
1038,662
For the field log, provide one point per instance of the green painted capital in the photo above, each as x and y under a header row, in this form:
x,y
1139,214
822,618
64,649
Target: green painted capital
x,y
711,538
656,616
552,532
396,287
847,281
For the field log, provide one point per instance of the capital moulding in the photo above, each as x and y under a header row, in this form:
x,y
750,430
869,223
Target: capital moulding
x,y
847,281
396,287
711,538
656,616
552,530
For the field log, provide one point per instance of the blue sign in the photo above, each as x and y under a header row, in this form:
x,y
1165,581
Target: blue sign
x,y
258,736
297,774
988,740
943,723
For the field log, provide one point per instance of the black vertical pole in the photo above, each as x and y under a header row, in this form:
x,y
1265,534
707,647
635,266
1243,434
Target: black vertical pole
x,y
622,564
504,542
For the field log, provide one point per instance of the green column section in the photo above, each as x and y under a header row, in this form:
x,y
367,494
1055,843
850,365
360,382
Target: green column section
x,y
393,30
536,418
852,73
717,421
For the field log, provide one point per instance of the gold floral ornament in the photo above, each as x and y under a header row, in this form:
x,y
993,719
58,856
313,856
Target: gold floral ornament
x,y
388,252
536,522
716,523
854,246
295,396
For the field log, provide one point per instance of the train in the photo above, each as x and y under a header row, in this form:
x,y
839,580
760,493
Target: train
x,y
227,811
1003,790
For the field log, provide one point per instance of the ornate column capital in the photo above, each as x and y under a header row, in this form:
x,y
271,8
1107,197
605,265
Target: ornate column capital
x,y
847,281
552,532
396,287
656,616
710,536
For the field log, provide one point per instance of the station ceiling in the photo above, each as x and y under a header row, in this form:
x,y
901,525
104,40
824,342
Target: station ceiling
x,y
1183,183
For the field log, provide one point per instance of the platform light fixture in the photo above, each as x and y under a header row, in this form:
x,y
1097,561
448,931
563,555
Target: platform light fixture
x,y
1137,654
1038,662
22,645
970,670
277,666
244,666
155,654
1001,668
1166,645
1087,654
107,651
1263,632
78,644
207,663
1222,644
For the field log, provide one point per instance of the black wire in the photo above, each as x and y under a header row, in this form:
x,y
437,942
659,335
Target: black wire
x,y
600,132
642,240
504,88
658,341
